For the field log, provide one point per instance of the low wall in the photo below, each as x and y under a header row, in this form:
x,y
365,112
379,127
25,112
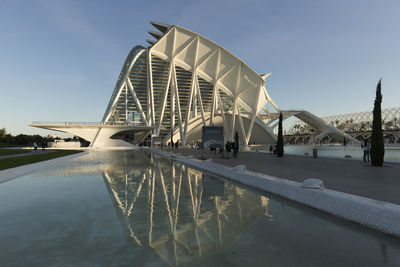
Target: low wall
x,y
381,216
63,144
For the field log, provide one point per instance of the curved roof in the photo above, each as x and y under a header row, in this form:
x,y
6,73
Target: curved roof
x,y
124,71
214,64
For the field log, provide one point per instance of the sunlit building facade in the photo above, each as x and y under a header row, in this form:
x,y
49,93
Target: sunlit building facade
x,y
181,82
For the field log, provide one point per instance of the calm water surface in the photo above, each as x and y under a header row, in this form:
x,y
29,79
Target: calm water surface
x,y
134,209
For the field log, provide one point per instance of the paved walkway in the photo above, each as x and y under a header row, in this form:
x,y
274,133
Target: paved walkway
x,y
38,152
350,176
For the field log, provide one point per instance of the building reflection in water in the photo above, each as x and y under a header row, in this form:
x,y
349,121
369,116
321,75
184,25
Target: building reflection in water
x,y
179,212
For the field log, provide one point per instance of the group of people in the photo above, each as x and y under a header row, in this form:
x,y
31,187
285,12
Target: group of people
x,y
172,144
232,146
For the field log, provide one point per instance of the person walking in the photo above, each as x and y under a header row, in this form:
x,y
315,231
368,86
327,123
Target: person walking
x,y
34,146
228,147
236,145
236,149
365,146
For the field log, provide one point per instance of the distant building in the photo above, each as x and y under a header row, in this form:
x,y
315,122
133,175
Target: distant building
x,y
53,136
357,124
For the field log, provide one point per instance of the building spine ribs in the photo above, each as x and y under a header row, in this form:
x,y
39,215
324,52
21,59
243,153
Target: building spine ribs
x,y
219,85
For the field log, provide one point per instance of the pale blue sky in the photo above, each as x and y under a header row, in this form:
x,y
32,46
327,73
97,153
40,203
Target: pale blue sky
x,y
59,60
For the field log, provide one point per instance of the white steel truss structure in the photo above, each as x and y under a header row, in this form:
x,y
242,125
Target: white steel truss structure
x,y
184,81
178,84
356,124
357,121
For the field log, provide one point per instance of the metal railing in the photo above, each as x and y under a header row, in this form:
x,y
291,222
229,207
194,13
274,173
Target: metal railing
x,y
88,123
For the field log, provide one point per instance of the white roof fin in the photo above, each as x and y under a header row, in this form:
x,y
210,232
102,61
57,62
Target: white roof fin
x,y
162,27
152,42
264,76
156,35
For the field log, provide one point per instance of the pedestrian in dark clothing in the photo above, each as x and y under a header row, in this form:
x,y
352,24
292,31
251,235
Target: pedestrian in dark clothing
x,y
271,149
236,145
235,149
43,146
365,146
228,147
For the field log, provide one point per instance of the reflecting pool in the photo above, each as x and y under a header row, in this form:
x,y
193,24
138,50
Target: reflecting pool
x,y
131,208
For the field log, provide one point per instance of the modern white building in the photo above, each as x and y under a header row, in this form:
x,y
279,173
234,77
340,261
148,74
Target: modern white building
x,y
178,84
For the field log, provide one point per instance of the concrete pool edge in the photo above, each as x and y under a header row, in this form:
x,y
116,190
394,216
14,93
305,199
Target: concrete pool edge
x,y
378,215
12,173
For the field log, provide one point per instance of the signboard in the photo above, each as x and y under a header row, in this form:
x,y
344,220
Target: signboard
x,y
213,136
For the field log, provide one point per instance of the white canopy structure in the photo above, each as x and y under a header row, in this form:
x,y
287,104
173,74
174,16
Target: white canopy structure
x,y
358,125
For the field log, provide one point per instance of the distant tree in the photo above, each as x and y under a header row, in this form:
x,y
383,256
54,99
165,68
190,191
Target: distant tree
x,y
8,139
2,134
279,143
377,146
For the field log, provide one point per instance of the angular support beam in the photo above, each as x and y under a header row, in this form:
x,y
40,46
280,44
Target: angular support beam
x,y
150,96
226,132
200,101
164,102
137,102
215,87
233,118
243,132
253,118
192,89
178,105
